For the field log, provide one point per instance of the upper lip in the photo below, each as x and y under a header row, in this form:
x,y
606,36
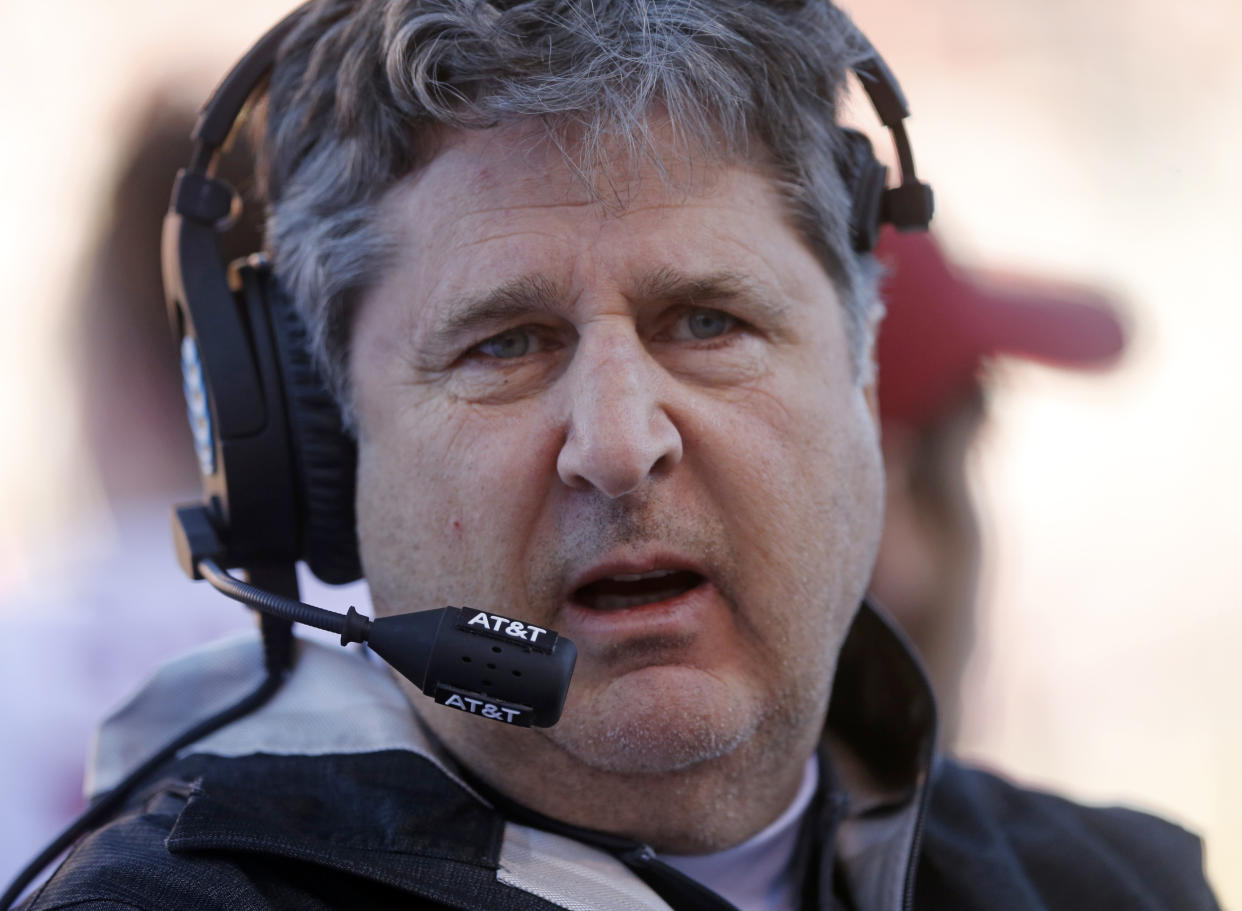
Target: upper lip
x,y
635,565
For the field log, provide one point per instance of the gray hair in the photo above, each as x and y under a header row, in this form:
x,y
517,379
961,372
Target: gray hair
x,y
361,88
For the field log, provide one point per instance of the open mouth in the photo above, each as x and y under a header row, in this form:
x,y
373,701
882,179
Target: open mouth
x,y
626,590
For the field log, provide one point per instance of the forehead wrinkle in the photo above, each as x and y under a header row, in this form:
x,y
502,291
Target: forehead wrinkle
x,y
521,233
533,205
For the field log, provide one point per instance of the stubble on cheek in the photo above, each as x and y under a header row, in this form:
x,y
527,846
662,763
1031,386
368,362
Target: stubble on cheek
x,y
435,516
663,724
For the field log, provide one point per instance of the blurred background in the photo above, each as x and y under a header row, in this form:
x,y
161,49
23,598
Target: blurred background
x,y
1095,143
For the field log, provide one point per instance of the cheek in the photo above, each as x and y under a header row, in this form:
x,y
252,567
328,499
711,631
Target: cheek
x,y
844,477
443,494
803,457
803,486
392,500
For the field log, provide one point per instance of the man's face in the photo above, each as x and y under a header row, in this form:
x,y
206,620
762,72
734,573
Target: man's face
x,y
633,421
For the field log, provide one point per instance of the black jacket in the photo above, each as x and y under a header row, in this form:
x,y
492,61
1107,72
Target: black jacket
x,y
333,797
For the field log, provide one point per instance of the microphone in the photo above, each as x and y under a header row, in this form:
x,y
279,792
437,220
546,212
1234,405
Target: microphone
x,y
475,661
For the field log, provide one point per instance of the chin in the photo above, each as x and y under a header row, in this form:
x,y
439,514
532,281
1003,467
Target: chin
x,y
656,720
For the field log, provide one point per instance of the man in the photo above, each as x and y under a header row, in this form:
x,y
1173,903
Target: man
x,y
943,326
581,278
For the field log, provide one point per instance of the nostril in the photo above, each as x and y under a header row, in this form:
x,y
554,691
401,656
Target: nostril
x,y
666,462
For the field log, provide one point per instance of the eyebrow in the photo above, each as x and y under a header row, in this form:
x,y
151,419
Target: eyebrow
x,y
666,284
516,298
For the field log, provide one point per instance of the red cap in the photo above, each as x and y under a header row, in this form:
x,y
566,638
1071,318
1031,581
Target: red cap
x,y
942,324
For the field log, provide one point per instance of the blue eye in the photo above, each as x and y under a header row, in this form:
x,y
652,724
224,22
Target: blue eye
x,y
704,324
507,345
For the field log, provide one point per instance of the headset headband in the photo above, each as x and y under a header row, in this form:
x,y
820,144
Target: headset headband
x,y
225,105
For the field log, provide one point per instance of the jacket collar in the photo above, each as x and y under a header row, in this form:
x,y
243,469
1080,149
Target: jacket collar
x,y
335,702
881,740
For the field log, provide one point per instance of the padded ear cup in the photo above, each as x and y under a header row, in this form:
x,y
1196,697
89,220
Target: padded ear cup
x,y
325,457
865,178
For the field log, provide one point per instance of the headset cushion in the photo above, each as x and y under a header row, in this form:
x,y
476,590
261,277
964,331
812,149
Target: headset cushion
x,y
324,454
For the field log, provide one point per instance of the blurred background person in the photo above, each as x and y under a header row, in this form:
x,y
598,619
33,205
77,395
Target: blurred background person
x,y
943,328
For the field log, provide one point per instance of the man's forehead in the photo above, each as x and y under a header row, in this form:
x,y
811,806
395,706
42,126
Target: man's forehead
x,y
615,171
499,225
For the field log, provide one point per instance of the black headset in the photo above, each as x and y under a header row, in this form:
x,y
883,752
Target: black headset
x,y
278,466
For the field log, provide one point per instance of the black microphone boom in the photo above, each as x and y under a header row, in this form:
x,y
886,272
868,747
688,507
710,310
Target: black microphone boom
x,y
472,660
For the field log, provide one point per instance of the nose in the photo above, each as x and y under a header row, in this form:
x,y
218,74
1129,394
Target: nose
x,y
619,432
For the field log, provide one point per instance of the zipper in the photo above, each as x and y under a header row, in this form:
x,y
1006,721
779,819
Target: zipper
x,y
916,840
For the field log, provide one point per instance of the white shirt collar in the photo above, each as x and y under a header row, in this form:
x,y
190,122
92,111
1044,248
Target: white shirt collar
x,y
757,875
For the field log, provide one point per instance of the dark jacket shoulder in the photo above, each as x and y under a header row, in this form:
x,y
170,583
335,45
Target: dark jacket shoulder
x,y
1021,849
125,865
315,833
